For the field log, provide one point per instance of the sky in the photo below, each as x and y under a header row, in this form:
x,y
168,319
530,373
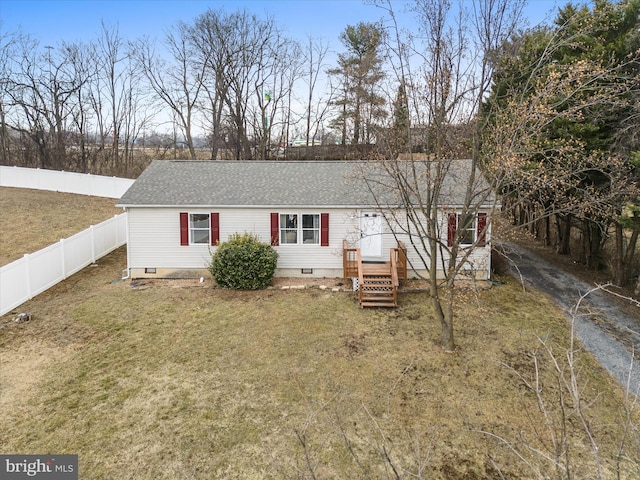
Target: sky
x,y
53,21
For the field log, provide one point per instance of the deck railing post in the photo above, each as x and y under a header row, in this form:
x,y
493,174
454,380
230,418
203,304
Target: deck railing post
x,y
360,277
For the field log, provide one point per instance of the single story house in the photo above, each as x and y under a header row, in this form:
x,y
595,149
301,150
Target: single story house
x,y
310,211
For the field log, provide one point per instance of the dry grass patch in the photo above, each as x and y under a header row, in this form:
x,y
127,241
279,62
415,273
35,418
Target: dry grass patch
x,y
196,382
33,219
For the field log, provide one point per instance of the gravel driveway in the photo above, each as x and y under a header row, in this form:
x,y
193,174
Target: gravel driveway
x,y
609,334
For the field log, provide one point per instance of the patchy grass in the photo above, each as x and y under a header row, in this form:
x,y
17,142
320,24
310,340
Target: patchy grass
x,y
33,219
161,380
151,381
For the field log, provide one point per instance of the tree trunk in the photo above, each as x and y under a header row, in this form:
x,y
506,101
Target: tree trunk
x,y
444,313
192,150
443,308
521,215
631,248
4,138
586,244
564,234
592,241
629,255
547,231
619,273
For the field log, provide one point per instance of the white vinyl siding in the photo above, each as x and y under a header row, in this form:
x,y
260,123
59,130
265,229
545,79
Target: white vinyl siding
x,y
479,260
154,239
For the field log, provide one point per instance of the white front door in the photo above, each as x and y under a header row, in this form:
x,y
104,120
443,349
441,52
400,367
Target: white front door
x,y
371,234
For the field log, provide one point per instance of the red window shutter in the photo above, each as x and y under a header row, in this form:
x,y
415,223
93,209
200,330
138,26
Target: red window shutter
x,y
482,234
275,230
184,228
451,230
324,229
215,228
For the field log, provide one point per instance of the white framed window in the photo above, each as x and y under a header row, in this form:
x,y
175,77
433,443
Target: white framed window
x,y
311,229
288,229
467,229
199,228
466,226
298,229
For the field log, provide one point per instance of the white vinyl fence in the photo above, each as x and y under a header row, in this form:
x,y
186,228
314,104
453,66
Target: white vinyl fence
x,y
36,272
68,182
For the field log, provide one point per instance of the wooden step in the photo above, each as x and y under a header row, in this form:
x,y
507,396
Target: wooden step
x,y
378,298
379,291
377,287
376,281
386,300
388,290
370,298
378,304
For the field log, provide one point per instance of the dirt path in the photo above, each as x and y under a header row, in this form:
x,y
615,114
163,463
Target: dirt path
x,y
609,334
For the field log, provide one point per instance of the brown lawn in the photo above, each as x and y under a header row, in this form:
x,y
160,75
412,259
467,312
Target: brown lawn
x,y
162,380
32,219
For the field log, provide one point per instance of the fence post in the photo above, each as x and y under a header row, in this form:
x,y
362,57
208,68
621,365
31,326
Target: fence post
x,y
117,225
62,258
93,245
27,275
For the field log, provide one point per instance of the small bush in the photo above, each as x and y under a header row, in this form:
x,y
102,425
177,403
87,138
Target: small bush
x,y
243,263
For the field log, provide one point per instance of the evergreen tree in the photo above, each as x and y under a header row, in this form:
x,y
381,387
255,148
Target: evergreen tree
x,y
360,73
401,124
561,96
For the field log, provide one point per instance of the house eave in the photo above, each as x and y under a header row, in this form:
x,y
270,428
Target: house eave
x,y
130,205
272,207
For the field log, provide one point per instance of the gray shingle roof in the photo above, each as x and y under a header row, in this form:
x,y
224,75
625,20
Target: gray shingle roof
x,y
253,183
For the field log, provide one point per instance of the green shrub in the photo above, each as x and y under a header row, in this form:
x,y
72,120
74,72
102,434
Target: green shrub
x,y
243,262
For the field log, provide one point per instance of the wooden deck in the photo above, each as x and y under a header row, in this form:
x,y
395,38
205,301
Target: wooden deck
x,y
376,268
377,282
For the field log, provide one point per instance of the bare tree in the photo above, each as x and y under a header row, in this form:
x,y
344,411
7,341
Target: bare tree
x,y
177,83
208,39
111,57
40,91
80,120
445,205
316,108
250,71
8,43
119,103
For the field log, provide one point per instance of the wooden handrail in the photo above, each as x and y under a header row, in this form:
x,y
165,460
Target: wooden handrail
x,y
394,275
349,261
394,267
360,276
402,261
345,260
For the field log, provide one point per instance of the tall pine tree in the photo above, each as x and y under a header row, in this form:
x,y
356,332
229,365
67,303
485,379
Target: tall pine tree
x,y
359,73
